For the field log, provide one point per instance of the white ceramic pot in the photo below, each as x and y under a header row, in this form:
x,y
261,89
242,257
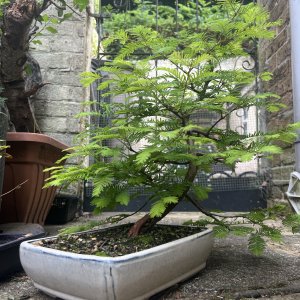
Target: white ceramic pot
x,y
134,276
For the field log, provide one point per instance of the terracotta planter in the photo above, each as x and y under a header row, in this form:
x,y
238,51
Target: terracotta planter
x,y
31,154
130,277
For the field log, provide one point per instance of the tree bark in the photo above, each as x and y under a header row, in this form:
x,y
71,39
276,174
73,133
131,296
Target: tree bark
x,y
15,60
146,222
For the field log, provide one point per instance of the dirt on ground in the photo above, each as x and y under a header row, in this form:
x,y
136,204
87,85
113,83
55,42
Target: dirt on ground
x,y
231,273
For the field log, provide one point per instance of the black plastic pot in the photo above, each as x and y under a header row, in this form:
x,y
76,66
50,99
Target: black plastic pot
x,y
63,209
13,234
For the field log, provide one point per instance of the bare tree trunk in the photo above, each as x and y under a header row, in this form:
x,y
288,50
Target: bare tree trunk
x,y
17,85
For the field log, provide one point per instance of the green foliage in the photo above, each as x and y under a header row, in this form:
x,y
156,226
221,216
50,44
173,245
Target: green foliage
x,y
87,78
241,230
293,221
256,244
3,149
78,228
155,142
221,231
45,23
80,4
257,216
145,239
199,223
273,234
101,253
253,224
168,21
92,224
3,3
159,207
144,13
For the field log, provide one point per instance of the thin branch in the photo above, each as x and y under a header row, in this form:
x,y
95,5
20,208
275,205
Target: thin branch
x,y
214,215
93,15
63,8
173,162
125,216
96,16
215,159
46,4
166,106
15,188
128,146
200,133
56,5
73,10
218,121
201,209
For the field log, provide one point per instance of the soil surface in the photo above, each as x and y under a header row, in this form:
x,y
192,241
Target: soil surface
x,y
115,242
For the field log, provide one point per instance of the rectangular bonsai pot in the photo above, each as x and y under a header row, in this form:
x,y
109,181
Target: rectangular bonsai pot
x,y
130,277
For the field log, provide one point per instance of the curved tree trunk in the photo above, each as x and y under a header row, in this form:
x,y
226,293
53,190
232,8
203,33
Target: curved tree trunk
x,y
19,74
146,222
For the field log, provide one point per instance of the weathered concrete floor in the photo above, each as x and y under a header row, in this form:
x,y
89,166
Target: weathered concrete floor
x,y
231,273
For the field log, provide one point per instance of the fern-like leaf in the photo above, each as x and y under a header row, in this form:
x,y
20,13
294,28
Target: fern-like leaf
x,y
221,231
241,230
123,198
292,221
157,209
256,244
100,183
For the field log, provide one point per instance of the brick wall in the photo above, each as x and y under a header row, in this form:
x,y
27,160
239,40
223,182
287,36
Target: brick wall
x,y
275,56
62,57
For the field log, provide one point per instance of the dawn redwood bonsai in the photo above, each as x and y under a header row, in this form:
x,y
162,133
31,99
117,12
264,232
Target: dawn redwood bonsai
x,y
161,100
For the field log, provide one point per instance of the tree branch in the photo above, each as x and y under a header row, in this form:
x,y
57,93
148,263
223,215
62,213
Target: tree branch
x,y
63,8
15,188
214,215
201,209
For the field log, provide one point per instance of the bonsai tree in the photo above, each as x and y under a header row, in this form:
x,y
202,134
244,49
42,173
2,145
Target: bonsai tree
x,y
175,77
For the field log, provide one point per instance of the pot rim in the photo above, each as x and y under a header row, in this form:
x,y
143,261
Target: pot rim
x,y
35,138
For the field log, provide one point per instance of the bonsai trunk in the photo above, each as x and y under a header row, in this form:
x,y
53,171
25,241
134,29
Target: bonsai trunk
x,y
146,222
19,74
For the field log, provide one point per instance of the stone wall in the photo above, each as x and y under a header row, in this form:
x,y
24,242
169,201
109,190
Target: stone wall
x,y
275,56
62,57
